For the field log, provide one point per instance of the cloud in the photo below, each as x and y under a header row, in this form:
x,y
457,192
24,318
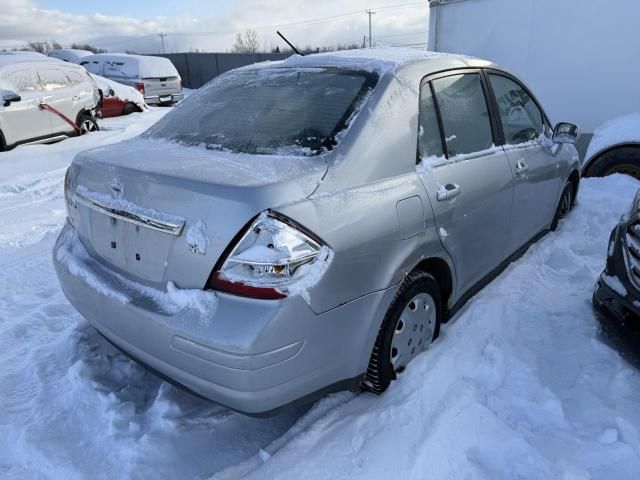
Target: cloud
x,y
22,21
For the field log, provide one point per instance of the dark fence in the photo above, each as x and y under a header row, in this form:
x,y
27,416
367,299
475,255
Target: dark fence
x,y
196,69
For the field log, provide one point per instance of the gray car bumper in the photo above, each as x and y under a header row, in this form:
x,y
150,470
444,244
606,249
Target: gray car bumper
x,y
254,356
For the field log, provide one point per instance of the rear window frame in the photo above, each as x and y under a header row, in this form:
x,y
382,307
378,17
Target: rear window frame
x,y
371,81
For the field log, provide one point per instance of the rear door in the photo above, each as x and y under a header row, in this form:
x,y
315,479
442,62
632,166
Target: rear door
x,y
58,93
526,131
24,120
468,180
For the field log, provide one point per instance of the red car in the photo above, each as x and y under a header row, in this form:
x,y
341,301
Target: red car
x,y
118,99
114,107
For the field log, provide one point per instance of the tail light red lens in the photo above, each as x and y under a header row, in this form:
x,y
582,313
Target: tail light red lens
x,y
140,87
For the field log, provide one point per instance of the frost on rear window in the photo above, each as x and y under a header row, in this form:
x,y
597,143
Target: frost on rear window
x,y
274,111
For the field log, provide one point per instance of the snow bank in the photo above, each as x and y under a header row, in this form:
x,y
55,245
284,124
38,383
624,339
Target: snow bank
x,y
614,132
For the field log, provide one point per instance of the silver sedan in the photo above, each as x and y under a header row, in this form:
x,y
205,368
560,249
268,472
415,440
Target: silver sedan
x,y
300,227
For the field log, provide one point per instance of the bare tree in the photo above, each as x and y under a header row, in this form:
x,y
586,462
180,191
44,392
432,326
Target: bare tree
x,y
246,42
86,46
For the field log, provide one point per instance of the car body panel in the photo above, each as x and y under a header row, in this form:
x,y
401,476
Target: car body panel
x,y
365,200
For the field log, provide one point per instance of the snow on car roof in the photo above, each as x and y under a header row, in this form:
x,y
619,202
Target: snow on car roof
x,y
11,58
376,59
145,65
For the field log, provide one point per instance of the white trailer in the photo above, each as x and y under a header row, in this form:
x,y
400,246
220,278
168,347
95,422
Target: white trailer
x,y
581,57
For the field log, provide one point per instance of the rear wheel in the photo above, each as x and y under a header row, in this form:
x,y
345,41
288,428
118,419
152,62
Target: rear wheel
x,y
624,160
87,124
564,206
3,145
410,325
130,108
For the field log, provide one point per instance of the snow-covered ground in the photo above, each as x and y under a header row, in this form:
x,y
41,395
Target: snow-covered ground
x,y
519,385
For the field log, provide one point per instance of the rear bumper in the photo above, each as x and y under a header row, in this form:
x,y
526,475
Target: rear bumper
x,y
158,99
253,356
616,295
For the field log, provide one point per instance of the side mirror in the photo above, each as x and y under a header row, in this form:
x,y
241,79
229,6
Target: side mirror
x,y
9,97
566,133
112,93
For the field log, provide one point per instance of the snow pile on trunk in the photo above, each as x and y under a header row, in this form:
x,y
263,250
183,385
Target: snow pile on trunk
x,y
197,238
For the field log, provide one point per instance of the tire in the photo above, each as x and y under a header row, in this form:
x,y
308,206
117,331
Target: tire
x,y
625,160
3,144
404,334
87,124
564,206
130,108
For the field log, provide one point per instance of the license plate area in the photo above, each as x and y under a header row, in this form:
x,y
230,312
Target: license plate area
x,y
166,98
136,249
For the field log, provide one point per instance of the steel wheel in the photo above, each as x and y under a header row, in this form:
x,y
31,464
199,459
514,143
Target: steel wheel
x,y
88,125
414,330
410,325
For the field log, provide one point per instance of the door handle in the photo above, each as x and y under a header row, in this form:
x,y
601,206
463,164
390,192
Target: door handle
x,y
76,98
521,167
447,192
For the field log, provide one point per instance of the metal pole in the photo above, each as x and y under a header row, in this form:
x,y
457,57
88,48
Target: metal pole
x,y
370,12
162,35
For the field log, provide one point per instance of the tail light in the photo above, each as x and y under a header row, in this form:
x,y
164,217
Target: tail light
x,y
140,87
274,258
180,84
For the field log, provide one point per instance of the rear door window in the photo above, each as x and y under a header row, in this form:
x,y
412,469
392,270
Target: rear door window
x,y
464,113
53,79
522,120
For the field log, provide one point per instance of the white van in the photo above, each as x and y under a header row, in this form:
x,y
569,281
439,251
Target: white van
x,y
72,55
579,56
44,100
155,77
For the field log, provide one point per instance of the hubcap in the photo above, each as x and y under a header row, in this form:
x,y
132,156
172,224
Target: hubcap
x,y
625,169
414,330
87,126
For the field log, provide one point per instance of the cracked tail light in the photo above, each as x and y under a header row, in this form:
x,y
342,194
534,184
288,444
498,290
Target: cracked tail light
x,y
271,260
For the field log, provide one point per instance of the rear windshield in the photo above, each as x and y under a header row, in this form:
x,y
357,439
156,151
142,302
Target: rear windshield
x,y
269,111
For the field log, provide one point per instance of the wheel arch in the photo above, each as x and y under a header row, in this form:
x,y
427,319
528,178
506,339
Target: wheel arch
x,y
593,160
441,270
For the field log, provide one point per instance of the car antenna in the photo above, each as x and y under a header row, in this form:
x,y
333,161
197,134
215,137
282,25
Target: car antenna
x,y
290,44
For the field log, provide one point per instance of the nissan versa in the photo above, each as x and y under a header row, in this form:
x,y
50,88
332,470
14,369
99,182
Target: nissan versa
x,y
300,227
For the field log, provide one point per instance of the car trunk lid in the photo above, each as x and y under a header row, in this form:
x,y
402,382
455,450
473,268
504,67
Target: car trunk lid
x,y
155,211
